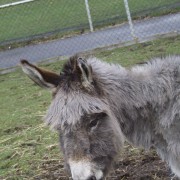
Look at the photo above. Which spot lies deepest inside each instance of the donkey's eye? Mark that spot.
(93, 123)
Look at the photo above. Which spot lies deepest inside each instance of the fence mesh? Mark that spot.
(43, 29)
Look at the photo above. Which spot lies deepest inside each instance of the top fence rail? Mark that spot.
(15, 3)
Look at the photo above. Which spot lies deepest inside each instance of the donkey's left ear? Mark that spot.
(86, 72)
(41, 77)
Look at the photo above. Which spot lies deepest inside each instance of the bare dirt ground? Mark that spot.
(132, 164)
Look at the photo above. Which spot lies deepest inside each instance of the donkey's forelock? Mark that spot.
(77, 94)
(67, 109)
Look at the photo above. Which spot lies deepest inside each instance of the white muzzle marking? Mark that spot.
(82, 170)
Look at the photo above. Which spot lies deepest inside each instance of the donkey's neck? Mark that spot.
(134, 97)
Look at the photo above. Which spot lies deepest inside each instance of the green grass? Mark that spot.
(62, 17)
(25, 143)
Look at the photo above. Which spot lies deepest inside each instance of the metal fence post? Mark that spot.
(89, 16)
(130, 20)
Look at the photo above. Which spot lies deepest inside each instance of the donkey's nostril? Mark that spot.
(92, 178)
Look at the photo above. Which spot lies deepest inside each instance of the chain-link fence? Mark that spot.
(43, 29)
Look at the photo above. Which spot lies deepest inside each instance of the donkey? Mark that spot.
(96, 106)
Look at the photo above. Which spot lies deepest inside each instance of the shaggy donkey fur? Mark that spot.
(97, 104)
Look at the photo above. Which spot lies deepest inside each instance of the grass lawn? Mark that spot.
(26, 145)
(62, 17)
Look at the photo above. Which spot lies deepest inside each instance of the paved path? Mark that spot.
(106, 37)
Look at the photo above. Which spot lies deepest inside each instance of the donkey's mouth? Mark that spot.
(94, 178)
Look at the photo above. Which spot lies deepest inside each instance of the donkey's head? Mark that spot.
(90, 136)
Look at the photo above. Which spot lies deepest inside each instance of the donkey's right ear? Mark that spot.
(41, 77)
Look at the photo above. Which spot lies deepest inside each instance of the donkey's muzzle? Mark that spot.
(92, 178)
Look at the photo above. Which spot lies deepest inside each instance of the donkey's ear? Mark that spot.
(85, 71)
(41, 77)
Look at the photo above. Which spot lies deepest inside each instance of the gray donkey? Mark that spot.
(96, 106)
